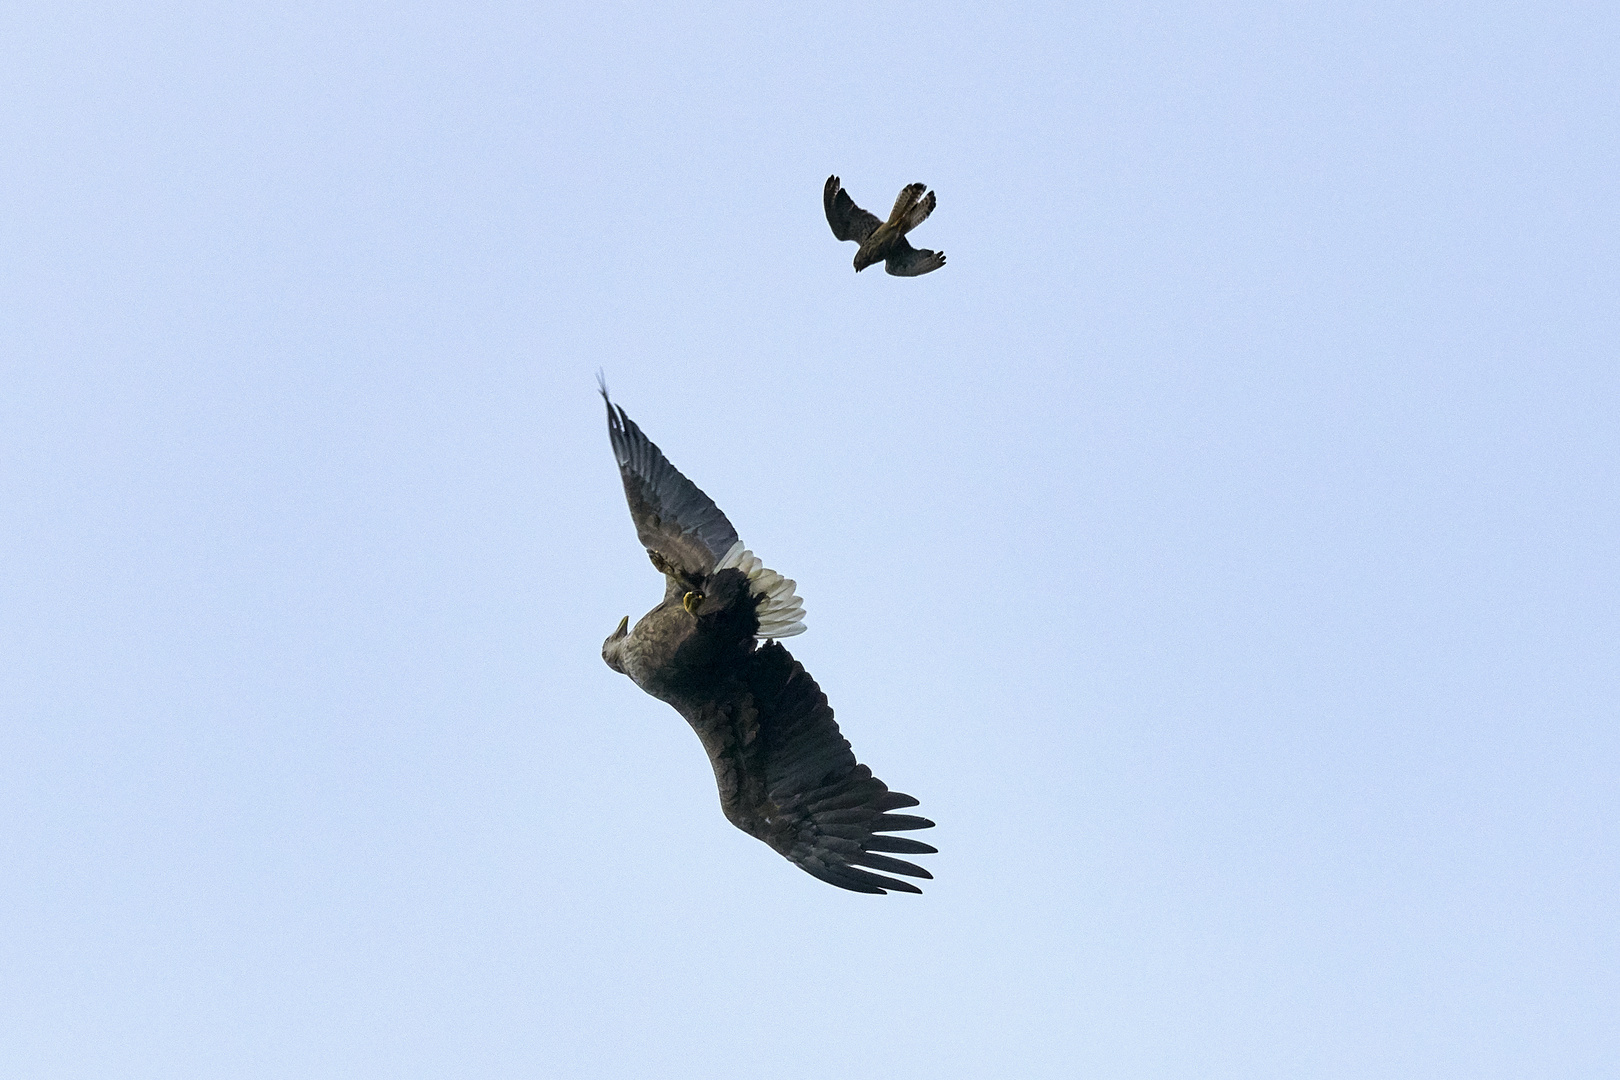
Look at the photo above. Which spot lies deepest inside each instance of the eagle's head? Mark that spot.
(865, 258)
(615, 644)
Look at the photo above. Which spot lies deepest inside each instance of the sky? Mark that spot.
(1222, 546)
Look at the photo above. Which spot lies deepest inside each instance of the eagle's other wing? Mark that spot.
(848, 221)
(825, 811)
(675, 521)
(907, 261)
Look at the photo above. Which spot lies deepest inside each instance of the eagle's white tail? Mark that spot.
(780, 611)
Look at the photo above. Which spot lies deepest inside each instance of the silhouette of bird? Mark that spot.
(883, 241)
(785, 774)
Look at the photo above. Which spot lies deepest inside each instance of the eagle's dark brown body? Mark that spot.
(785, 773)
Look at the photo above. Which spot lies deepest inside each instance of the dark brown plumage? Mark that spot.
(785, 773)
(883, 241)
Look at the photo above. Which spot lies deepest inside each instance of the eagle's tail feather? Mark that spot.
(780, 611)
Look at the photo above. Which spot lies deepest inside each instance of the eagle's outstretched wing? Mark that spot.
(675, 521)
(848, 221)
(824, 811)
(907, 261)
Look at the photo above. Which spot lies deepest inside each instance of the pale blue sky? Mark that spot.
(1223, 546)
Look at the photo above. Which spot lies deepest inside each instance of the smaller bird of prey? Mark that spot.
(883, 241)
(786, 775)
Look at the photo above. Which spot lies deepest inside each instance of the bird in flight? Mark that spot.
(883, 241)
(786, 775)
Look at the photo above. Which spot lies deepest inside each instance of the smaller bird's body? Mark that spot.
(883, 241)
(785, 773)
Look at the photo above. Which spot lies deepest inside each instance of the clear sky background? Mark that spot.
(1223, 546)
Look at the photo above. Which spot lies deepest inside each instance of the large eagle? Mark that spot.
(785, 774)
(883, 241)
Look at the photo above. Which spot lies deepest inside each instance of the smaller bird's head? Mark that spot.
(614, 645)
(864, 258)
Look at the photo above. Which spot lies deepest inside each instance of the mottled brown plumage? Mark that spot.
(785, 773)
(883, 241)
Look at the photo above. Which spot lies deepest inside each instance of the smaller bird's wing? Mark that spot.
(829, 815)
(848, 221)
(675, 521)
(907, 261)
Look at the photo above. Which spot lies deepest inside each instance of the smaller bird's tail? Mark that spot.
(917, 212)
(904, 202)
